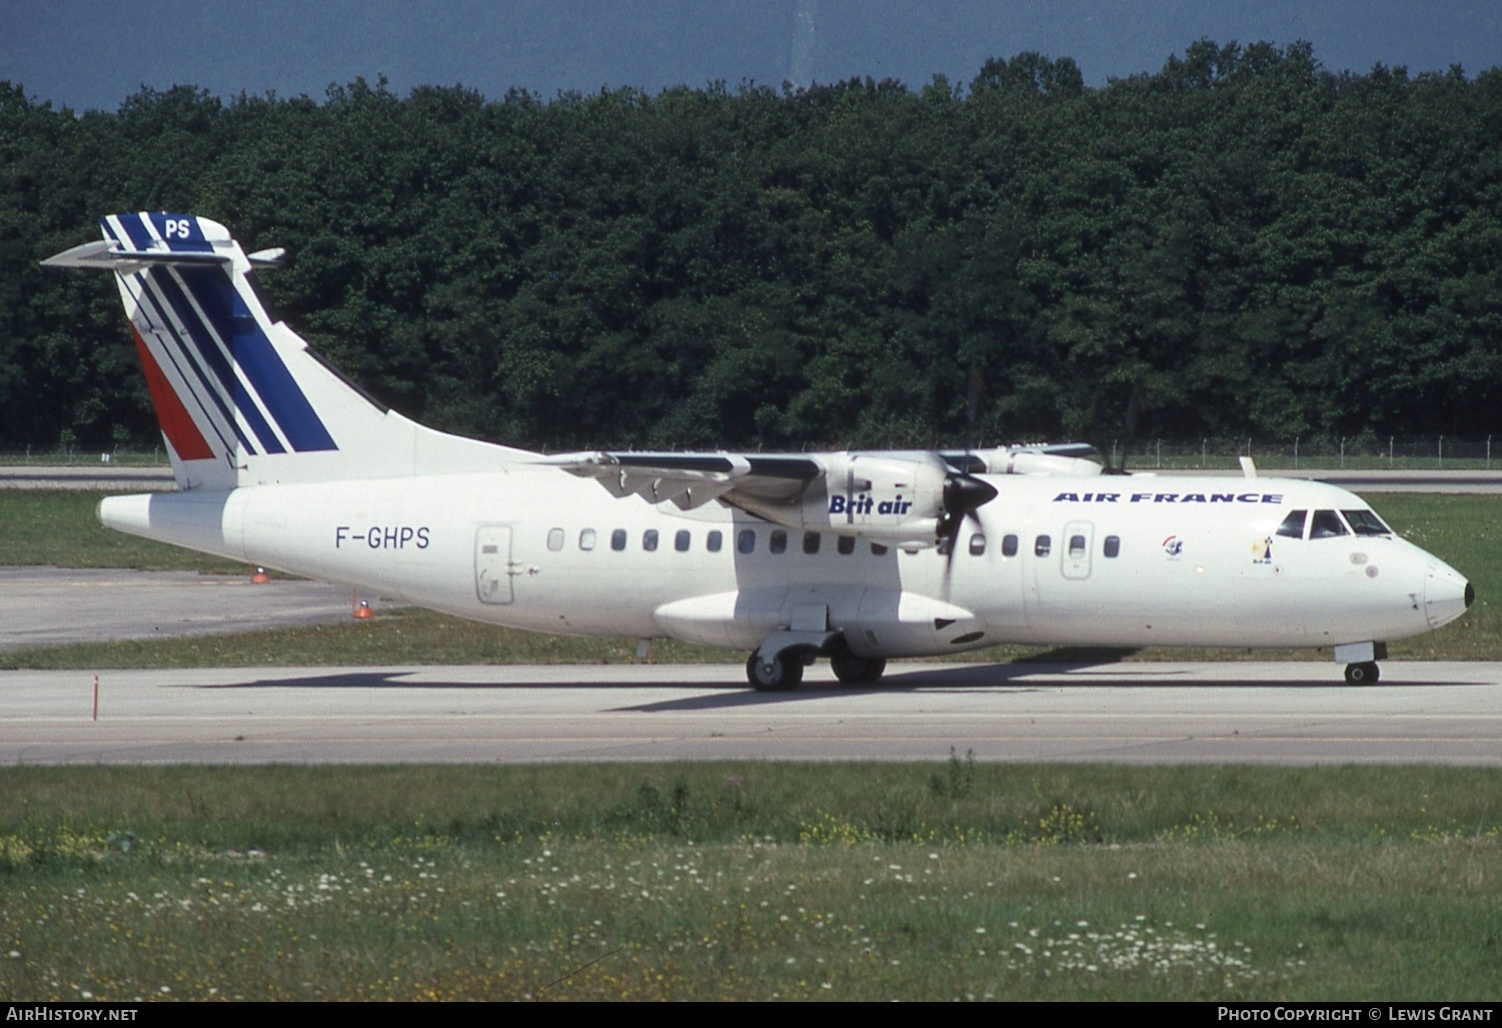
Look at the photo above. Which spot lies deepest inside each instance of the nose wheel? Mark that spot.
(1364, 673)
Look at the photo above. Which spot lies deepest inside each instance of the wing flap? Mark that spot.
(690, 480)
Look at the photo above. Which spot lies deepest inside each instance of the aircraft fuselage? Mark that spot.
(1092, 561)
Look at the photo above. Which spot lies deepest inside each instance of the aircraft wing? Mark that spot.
(691, 480)
(907, 497)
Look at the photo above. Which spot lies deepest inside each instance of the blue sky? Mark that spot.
(93, 53)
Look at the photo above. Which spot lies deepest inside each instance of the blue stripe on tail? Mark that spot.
(268, 376)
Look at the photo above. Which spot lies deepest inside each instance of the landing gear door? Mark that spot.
(494, 568)
(1074, 549)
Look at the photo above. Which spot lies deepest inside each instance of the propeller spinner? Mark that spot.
(963, 496)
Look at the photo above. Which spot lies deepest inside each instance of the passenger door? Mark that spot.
(494, 567)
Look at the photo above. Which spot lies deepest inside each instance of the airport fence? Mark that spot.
(1432, 452)
(72, 456)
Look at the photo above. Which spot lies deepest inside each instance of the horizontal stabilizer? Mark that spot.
(105, 256)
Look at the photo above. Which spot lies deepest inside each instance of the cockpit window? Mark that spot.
(1293, 525)
(1364, 522)
(1326, 525)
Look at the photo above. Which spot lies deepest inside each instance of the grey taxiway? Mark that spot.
(1138, 713)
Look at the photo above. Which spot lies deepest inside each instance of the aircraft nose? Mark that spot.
(1446, 594)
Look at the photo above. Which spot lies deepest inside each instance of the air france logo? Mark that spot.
(1262, 551)
(1168, 498)
(865, 505)
(1173, 546)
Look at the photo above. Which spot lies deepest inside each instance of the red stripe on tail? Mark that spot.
(176, 423)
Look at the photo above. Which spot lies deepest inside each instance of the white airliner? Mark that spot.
(857, 556)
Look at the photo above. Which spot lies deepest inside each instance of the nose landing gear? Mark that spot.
(1361, 661)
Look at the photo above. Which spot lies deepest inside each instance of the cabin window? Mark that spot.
(845, 545)
(681, 540)
(1113, 545)
(1293, 525)
(779, 543)
(1042, 545)
(977, 544)
(1326, 525)
(587, 539)
(746, 541)
(715, 541)
(555, 538)
(811, 542)
(878, 550)
(1076, 546)
(618, 539)
(1009, 546)
(1364, 522)
(649, 540)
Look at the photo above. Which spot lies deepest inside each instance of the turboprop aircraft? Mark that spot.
(856, 556)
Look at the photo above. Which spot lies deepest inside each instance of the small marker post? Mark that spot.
(96, 697)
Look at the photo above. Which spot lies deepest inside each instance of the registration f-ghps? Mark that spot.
(854, 556)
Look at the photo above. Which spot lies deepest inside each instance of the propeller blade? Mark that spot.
(963, 496)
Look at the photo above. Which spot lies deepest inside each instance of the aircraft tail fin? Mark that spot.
(241, 399)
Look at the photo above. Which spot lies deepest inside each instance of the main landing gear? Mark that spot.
(853, 670)
(1365, 673)
(784, 670)
(778, 673)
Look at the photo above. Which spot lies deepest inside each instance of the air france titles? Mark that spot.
(1168, 498)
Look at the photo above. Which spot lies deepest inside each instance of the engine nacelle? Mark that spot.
(1009, 461)
(874, 496)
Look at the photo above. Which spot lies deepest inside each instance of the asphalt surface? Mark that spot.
(1211, 713)
(50, 606)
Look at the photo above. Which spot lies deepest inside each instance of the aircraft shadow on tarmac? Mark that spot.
(992, 679)
(989, 679)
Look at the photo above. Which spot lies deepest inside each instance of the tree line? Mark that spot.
(1239, 244)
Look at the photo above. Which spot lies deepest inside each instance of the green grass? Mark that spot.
(58, 528)
(750, 881)
(398, 636)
